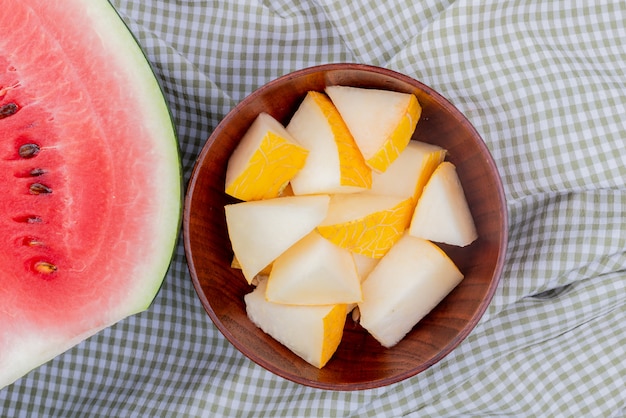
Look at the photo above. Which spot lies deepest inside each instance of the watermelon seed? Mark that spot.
(33, 242)
(7, 110)
(29, 219)
(29, 150)
(45, 267)
(38, 188)
(33, 172)
(36, 172)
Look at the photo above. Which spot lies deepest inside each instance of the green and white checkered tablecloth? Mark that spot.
(544, 82)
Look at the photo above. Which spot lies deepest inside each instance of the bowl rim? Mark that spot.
(502, 233)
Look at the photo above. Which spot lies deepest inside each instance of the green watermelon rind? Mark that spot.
(120, 20)
(108, 18)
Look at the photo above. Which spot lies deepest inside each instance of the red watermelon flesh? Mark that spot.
(90, 192)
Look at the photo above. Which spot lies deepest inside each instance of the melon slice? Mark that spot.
(265, 272)
(314, 272)
(90, 179)
(264, 161)
(406, 284)
(381, 121)
(409, 173)
(366, 224)
(311, 332)
(364, 265)
(442, 213)
(261, 230)
(334, 163)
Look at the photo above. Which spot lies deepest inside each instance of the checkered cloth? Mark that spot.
(543, 81)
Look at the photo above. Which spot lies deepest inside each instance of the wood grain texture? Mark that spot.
(360, 361)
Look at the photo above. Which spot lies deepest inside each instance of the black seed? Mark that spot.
(29, 150)
(38, 188)
(36, 172)
(7, 110)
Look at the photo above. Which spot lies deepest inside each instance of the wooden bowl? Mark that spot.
(360, 361)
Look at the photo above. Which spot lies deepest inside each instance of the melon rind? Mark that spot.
(94, 27)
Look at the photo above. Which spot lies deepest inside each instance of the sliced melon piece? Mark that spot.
(314, 271)
(265, 272)
(334, 164)
(261, 230)
(364, 265)
(265, 159)
(381, 121)
(311, 332)
(90, 179)
(366, 224)
(442, 213)
(410, 172)
(412, 278)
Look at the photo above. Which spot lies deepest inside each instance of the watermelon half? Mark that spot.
(90, 178)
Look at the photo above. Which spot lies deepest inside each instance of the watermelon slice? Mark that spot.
(90, 178)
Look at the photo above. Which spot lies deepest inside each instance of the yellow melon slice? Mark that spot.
(261, 230)
(334, 163)
(412, 278)
(366, 224)
(311, 332)
(265, 159)
(408, 174)
(381, 121)
(442, 213)
(314, 271)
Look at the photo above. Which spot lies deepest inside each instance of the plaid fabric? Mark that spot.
(544, 81)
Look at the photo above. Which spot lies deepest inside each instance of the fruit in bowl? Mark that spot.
(360, 360)
(312, 270)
